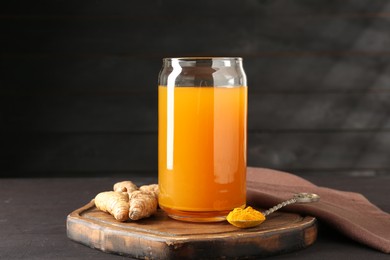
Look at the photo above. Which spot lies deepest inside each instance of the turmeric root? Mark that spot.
(127, 201)
(142, 204)
(115, 203)
(150, 188)
(125, 186)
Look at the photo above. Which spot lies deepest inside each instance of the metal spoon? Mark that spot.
(297, 198)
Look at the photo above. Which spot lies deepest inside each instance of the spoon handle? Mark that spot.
(298, 198)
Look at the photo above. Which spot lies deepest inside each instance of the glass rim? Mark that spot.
(202, 58)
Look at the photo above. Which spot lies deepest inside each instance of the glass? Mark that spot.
(202, 125)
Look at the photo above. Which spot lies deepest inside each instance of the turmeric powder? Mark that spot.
(245, 218)
(115, 203)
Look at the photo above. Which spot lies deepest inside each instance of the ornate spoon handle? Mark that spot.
(298, 198)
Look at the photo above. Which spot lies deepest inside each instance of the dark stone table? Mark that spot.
(33, 217)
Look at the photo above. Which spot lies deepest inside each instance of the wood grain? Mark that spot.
(137, 112)
(95, 154)
(268, 72)
(160, 237)
(78, 83)
(77, 33)
(121, 7)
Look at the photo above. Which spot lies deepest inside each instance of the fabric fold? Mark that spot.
(350, 213)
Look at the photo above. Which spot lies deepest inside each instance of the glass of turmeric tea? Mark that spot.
(202, 135)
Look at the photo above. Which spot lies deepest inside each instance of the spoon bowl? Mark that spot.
(246, 223)
(297, 198)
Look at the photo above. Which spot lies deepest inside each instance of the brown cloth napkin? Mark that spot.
(349, 212)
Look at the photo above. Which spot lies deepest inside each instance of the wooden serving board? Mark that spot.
(160, 237)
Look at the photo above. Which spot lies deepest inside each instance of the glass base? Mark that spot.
(197, 216)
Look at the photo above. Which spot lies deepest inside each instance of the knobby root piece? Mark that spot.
(142, 204)
(115, 203)
(125, 186)
(150, 188)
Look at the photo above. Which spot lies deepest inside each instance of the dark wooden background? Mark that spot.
(78, 83)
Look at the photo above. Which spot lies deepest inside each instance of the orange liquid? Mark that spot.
(202, 150)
